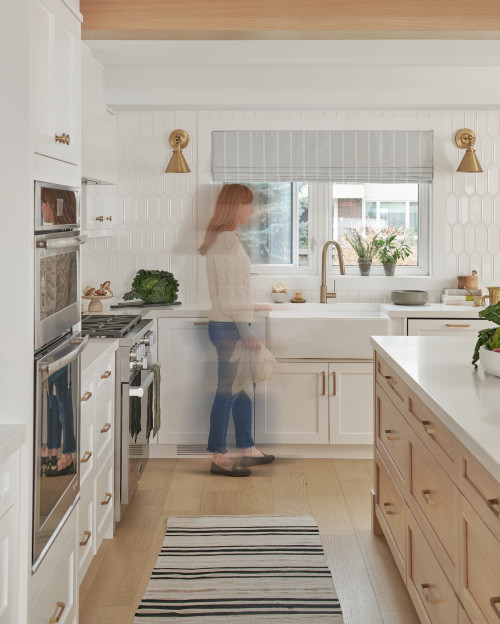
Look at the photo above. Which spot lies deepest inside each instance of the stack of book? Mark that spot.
(459, 296)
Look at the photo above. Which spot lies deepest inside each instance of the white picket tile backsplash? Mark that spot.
(159, 211)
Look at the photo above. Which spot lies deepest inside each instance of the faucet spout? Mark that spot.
(324, 294)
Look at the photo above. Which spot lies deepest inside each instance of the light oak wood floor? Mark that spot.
(335, 492)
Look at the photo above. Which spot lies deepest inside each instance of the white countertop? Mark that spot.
(467, 400)
(95, 348)
(201, 310)
(11, 438)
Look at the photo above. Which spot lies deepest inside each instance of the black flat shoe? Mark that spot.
(236, 471)
(59, 473)
(248, 460)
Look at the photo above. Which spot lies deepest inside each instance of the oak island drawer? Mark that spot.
(392, 384)
(479, 568)
(433, 495)
(391, 437)
(432, 594)
(481, 489)
(436, 436)
(391, 513)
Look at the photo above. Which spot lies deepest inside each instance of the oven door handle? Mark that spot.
(138, 391)
(52, 367)
(62, 243)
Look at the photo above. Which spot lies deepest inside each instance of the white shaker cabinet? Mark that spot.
(446, 327)
(320, 402)
(55, 87)
(188, 380)
(99, 216)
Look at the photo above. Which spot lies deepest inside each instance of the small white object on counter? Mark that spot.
(490, 361)
(439, 370)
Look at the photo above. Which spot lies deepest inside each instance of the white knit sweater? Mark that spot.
(228, 272)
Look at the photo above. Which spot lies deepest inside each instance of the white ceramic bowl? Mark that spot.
(490, 361)
(278, 297)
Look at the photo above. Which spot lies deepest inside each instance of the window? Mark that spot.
(278, 234)
(395, 208)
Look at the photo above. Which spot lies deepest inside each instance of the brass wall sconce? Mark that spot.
(465, 139)
(178, 140)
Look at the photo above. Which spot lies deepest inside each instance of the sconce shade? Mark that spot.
(178, 140)
(465, 139)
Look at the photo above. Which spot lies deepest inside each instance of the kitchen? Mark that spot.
(127, 116)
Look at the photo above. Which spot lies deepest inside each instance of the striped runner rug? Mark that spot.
(241, 569)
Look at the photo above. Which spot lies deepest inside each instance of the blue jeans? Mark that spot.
(224, 336)
(60, 416)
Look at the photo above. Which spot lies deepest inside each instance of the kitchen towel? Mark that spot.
(153, 420)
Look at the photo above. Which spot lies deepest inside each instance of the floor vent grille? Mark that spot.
(192, 449)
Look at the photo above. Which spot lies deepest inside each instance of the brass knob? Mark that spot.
(101, 219)
(86, 396)
(62, 138)
(109, 218)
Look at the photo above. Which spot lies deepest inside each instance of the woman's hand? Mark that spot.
(251, 343)
(262, 307)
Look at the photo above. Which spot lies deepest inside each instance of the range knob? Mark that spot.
(148, 339)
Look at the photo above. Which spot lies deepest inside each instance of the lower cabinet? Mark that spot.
(308, 402)
(53, 587)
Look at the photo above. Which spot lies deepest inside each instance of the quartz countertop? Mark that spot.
(466, 399)
(95, 348)
(430, 310)
(11, 438)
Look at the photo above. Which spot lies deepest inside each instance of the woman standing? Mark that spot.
(228, 272)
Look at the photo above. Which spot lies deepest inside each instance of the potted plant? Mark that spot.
(366, 245)
(390, 251)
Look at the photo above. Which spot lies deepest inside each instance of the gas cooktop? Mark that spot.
(108, 325)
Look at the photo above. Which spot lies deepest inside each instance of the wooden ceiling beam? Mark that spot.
(265, 19)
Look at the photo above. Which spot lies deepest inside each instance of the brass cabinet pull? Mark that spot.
(108, 497)
(427, 497)
(106, 428)
(493, 602)
(86, 456)
(60, 606)
(200, 323)
(390, 380)
(101, 219)
(387, 510)
(334, 384)
(428, 428)
(324, 383)
(388, 434)
(424, 587)
(492, 505)
(86, 537)
(106, 375)
(86, 396)
(109, 218)
(457, 325)
(62, 138)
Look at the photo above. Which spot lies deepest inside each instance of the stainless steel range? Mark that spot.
(133, 361)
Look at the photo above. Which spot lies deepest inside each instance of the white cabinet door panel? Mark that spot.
(447, 327)
(351, 403)
(293, 406)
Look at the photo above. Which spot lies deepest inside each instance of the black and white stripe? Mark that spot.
(241, 570)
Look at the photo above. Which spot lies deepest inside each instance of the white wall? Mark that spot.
(161, 213)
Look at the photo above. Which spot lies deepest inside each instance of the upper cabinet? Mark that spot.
(55, 80)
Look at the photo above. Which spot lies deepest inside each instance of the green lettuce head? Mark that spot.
(153, 287)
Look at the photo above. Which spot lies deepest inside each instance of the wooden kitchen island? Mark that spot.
(437, 475)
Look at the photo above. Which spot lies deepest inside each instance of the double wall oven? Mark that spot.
(57, 350)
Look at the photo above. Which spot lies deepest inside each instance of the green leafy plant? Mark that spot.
(365, 244)
(392, 249)
(153, 287)
(488, 338)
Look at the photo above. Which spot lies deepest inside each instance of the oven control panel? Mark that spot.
(139, 356)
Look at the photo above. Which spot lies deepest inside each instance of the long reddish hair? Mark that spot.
(225, 214)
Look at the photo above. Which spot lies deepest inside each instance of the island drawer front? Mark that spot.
(481, 489)
(436, 436)
(393, 385)
(391, 437)
(434, 496)
(479, 568)
(432, 594)
(104, 370)
(391, 508)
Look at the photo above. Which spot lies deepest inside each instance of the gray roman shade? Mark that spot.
(343, 156)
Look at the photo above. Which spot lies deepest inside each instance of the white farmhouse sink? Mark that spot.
(321, 330)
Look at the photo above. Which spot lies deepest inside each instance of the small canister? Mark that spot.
(468, 281)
